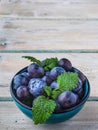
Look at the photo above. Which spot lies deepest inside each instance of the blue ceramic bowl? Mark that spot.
(55, 117)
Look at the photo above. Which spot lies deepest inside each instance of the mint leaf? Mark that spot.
(47, 64)
(55, 93)
(50, 63)
(48, 90)
(42, 109)
(32, 59)
(67, 81)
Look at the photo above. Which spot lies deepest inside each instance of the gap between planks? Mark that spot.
(47, 18)
(51, 51)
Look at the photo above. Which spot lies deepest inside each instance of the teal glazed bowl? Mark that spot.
(55, 117)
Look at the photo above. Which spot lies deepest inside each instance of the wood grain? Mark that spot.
(12, 118)
(49, 8)
(48, 25)
(10, 64)
(48, 34)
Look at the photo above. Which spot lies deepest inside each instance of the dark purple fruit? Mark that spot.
(26, 75)
(54, 85)
(22, 92)
(67, 99)
(35, 71)
(36, 86)
(19, 80)
(47, 78)
(65, 63)
(81, 76)
(79, 88)
(58, 107)
(55, 72)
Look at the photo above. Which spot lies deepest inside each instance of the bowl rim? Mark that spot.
(29, 108)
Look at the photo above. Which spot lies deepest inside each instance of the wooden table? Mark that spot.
(48, 28)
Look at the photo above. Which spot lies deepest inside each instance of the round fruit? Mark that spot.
(47, 78)
(54, 85)
(65, 63)
(81, 76)
(22, 92)
(36, 86)
(35, 71)
(56, 71)
(79, 88)
(58, 107)
(26, 75)
(19, 80)
(67, 99)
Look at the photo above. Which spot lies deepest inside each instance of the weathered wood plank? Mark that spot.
(12, 118)
(48, 34)
(51, 8)
(12, 63)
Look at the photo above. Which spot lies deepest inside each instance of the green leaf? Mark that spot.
(48, 90)
(42, 109)
(50, 63)
(32, 59)
(55, 93)
(67, 81)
